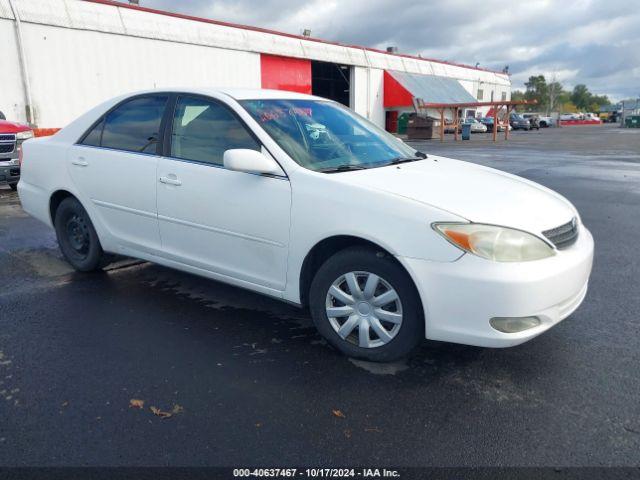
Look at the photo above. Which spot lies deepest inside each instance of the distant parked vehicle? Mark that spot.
(569, 116)
(518, 122)
(534, 120)
(613, 117)
(581, 118)
(545, 121)
(476, 125)
(488, 122)
(11, 137)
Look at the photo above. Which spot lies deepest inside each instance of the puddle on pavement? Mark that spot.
(45, 263)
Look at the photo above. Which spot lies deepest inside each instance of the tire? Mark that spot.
(77, 237)
(402, 335)
(13, 186)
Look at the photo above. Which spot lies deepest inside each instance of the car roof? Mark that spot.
(235, 93)
(76, 128)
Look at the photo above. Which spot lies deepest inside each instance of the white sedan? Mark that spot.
(298, 198)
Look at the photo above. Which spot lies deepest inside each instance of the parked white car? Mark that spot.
(476, 125)
(297, 197)
(570, 116)
(546, 121)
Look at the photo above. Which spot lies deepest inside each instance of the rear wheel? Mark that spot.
(77, 238)
(366, 305)
(13, 186)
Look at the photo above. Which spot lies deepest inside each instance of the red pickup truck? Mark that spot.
(11, 137)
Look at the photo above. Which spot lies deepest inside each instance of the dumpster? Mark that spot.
(632, 121)
(403, 121)
(466, 131)
(420, 128)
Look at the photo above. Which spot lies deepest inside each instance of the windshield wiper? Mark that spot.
(399, 160)
(342, 168)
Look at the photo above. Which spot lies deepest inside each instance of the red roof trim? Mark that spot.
(283, 34)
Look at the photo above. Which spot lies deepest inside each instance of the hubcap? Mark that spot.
(364, 309)
(78, 234)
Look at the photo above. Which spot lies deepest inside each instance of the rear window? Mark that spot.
(134, 126)
(94, 137)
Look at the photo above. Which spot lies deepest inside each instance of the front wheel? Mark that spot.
(366, 305)
(77, 238)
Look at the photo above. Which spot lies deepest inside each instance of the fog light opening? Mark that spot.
(514, 324)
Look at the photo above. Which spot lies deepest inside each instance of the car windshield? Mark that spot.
(324, 136)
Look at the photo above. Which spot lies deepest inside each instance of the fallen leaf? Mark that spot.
(159, 413)
(64, 404)
(338, 413)
(135, 403)
(374, 429)
(177, 409)
(347, 433)
(258, 425)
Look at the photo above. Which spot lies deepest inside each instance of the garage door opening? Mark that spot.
(331, 80)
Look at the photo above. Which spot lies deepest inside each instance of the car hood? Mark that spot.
(476, 193)
(12, 127)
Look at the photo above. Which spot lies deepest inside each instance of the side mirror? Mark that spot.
(250, 161)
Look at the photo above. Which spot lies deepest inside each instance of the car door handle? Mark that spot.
(170, 180)
(80, 162)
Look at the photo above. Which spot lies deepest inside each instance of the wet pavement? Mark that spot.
(250, 382)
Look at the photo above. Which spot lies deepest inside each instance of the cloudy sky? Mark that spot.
(596, 42)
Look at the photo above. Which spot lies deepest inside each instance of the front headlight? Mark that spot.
(24, 135)
(500, 244)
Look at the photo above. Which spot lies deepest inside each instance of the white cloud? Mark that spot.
(584, 41)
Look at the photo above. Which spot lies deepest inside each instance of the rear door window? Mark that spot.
(135, 125)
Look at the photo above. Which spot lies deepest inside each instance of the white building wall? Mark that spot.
(64, 87)
(80, 53)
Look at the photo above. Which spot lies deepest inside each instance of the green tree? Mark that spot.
(581, 97)
(598, 101)
(517, 96)
(538, 90)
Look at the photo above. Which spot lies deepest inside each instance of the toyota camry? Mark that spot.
(301, 199)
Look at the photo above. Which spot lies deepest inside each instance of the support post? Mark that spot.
(506, 128)
(442, 124)
(455, 123)
(24, 69)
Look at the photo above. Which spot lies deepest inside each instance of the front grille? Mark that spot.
(7, 147)
(563, 236)
(7, 143)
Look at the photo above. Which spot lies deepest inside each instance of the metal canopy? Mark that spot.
(432, 88)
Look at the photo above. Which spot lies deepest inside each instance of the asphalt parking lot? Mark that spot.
(249, 382)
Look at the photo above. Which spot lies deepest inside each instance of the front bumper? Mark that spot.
(460, 297)
(9, 171)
